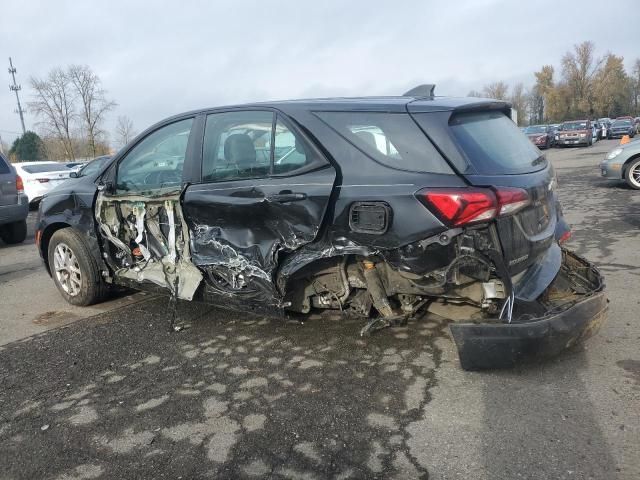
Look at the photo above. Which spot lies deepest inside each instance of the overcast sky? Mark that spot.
(158, 58)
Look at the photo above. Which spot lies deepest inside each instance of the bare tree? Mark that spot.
(94, 104)
(53, 105)
(579, 69)
(612, 88)
(497, 90)
(635, 86)
(519, 100)
(124, 130)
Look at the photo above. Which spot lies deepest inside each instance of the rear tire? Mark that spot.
(74, 270)
(13, 233)
(632, 174)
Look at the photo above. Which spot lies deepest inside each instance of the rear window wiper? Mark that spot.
(538, 161)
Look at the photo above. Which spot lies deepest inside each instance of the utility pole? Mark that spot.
(15, 88)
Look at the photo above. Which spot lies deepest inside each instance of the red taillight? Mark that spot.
(564, 237)
(42, 180)
(460, 206)
(19, 184)
(463, 206)
(511, 199)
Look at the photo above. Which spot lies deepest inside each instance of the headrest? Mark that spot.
(238, 148)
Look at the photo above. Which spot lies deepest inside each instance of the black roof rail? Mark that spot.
(424, 90)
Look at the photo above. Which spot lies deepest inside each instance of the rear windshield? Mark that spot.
(535, 129)
(494, 145)
(46, 167)
(392, 139)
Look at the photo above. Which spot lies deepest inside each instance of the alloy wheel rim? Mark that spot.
(635, 175)
(67, 269)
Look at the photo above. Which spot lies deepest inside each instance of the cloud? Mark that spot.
(163, 57)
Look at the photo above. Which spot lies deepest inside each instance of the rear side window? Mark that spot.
(494, 145)
(253, 144)
(4, 168)
(392, 139)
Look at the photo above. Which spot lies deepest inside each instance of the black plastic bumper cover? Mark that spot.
(501, 345)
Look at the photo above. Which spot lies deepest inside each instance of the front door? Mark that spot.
(139, 215)
(264, 192)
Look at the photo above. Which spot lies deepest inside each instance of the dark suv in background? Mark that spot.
(575, 133)
(376, 207)
(622, 127)
(14, 205)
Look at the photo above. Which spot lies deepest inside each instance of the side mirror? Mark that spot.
(106, 187)
(73, 175)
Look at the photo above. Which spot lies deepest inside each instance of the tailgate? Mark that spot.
(489, 150)
(526, 235)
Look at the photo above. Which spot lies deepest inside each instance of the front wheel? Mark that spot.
(14, 232)
(632, 174)
(74, 270)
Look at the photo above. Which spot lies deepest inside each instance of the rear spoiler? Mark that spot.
(424, 90)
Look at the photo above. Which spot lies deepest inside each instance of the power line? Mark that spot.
(15, 87)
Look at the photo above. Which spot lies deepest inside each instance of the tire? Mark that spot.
(76, 274)
(632, 174)
(13, 233)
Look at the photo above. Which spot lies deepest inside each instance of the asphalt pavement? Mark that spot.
(107, 392)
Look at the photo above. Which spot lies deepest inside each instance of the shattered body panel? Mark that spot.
(576, 307)
(148, 241)
(241, 230)
(70, 205)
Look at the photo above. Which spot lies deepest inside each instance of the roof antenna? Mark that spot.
(424, 90)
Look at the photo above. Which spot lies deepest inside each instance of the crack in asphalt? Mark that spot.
(225, 396)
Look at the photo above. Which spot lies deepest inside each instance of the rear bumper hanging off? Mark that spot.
(500, 345)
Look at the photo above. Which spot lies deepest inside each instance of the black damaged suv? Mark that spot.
(378, 207)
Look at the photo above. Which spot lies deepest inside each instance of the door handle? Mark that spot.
(285, 197)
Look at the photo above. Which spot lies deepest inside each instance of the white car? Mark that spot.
(41, 177)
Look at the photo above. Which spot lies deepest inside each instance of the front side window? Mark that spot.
(392, 139)
(157, 161)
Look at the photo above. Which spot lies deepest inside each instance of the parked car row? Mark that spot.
(24, 184)
(581, 132)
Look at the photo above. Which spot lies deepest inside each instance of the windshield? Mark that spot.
(45, 167)
(93, 166)
(574, 126)
(494, 145)
(622, 123)
(535, 129)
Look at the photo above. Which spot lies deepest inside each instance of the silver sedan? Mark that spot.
(623, 163)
